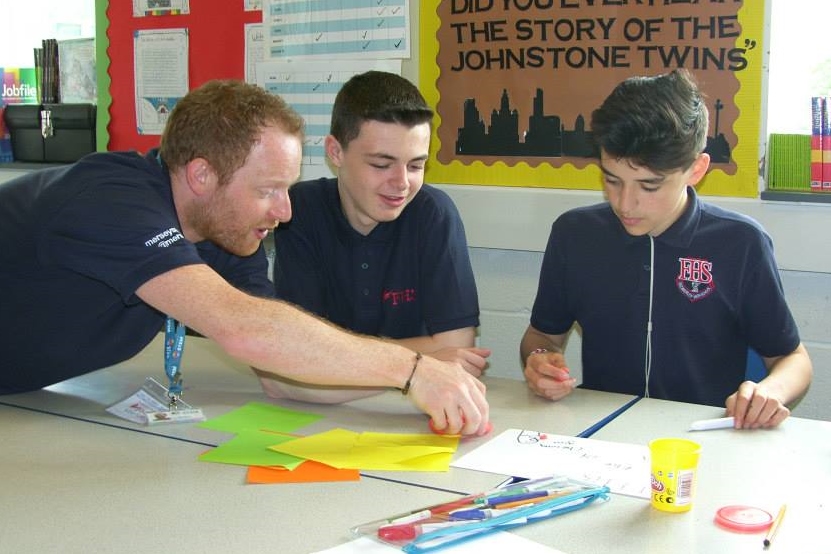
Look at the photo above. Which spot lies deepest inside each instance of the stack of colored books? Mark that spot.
(46, 68)
(789, 162)
(820, 144)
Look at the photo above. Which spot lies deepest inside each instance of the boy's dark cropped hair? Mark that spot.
(659, 122)
(377, 96)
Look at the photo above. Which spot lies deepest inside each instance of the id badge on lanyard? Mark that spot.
(154, 403)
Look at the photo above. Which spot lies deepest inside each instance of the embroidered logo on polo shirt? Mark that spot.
(396, 297)
(165, 238)
(695, 278)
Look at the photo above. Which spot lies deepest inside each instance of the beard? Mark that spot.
(218, 221)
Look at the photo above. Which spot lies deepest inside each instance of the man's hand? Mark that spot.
(452, 397)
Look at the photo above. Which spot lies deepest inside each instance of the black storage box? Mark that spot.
(51, 132)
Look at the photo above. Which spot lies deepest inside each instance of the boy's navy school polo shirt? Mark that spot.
(716, 292)
(409, 277)
(76, 242)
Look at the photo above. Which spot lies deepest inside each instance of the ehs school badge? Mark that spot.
(695, 278)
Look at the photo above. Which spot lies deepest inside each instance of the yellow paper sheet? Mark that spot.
(379, 451)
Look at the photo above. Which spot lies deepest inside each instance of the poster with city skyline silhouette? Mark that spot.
(514, 83)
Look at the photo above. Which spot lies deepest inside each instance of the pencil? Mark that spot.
(774, 527)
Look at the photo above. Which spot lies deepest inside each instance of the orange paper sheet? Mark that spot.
(307, 472)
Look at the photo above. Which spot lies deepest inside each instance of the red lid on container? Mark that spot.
(746, 519)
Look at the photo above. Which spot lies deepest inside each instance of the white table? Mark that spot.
(76, 479)
(69, 486)
(764, 468)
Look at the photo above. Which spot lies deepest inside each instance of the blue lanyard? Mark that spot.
(174, 344)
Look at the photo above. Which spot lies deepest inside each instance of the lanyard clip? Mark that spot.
(46, 129)
(174, 391)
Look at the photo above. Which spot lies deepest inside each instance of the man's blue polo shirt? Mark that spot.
(409, 277)
(716, 291)
(76, 242)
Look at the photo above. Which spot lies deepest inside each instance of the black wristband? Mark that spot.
(409, 382)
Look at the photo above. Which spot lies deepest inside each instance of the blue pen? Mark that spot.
(479, 513)
(491, 501)
(531, 497)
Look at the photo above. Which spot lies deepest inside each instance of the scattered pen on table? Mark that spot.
(711, 424)
(774, 527)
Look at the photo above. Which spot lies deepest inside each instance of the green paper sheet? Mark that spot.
(259, 415)
(251, 447)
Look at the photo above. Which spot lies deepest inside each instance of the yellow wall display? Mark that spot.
(514, 83)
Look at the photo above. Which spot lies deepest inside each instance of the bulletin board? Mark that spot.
(514, 84)
(217, 51)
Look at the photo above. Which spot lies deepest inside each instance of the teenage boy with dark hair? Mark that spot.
(669, 291)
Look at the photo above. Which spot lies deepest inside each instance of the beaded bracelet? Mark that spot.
(409, 382)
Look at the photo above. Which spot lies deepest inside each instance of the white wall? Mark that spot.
(29, 22)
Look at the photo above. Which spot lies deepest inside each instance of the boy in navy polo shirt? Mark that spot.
(669, 291)
(375, 250)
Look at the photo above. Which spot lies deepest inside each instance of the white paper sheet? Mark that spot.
(161, 74)
(313, 28)
(624, 468)
(254, 50)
